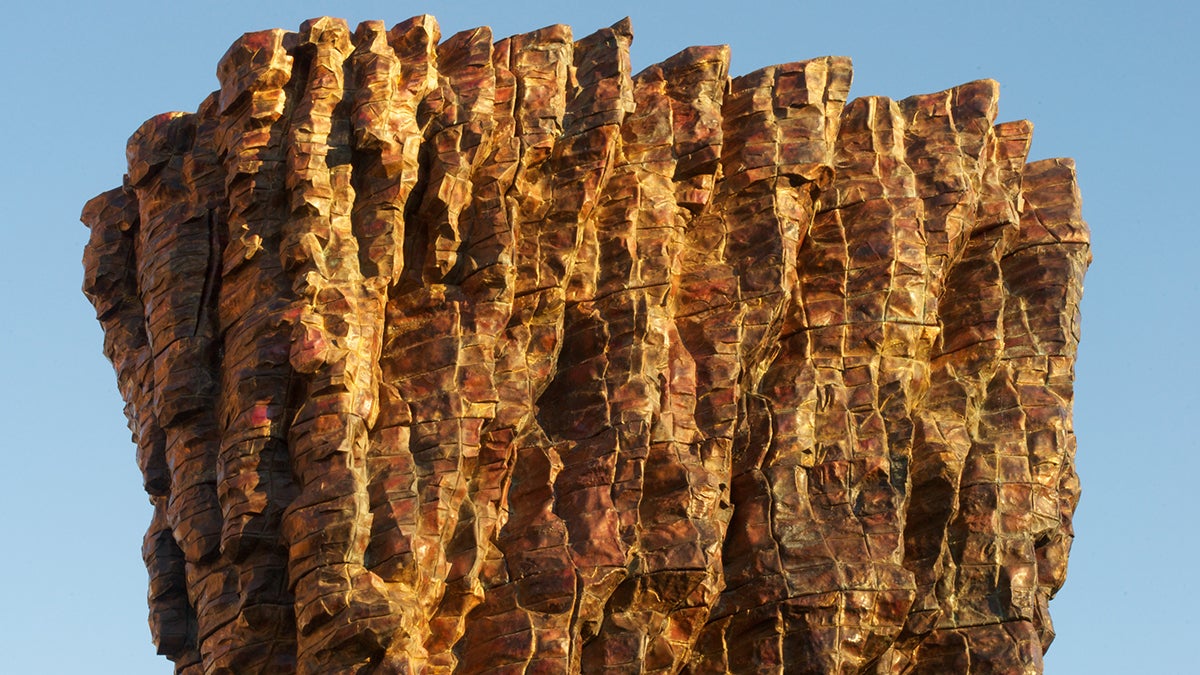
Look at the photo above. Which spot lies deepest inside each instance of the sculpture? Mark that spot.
(472, 356)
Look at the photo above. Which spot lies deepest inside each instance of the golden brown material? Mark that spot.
(471, 356)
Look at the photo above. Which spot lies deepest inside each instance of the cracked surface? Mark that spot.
(461, 355)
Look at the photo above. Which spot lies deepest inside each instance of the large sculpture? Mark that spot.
(472, 356)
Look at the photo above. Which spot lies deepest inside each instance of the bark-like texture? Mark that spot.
(472, 356)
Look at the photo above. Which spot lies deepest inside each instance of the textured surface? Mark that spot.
(461, 356)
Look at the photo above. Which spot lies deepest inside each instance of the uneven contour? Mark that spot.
(462, 356)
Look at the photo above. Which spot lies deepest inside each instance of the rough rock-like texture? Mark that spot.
(471, 356)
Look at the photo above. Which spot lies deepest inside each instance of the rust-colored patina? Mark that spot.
(471, 356)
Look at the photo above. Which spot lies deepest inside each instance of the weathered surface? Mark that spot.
(471, 356)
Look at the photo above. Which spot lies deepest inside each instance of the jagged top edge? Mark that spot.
(623, 26)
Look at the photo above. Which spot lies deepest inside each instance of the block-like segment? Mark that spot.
(964, 359)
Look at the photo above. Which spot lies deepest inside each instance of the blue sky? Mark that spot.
(1113, 85)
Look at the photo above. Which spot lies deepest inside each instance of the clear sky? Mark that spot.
(1113, 85)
